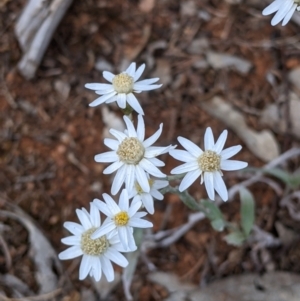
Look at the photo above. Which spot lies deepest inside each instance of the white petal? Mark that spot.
(123, 236)
(141, 178)
(119, 135)
(70, 253)
(220, 142)
(148, 81)
(209, 184)
(111, 143)
(158, 184)
(139, 72)
(84, 219)
(107, 157)
(74, 228)
(95, 215)
(186, 167)
(130, 127)
(289, 15)
(124, 201)
(208, 139)
(131, 69)
(121, 100)
(118, 179)
(116, 257)
(102, 99)
(113, 167)
(220, 187)
(130, 176)
(85, 266)
(152, 139)
(156, 194)
(134, 207)
(104, 229)
(134, 103)
(139, 223)
(98, 86)
(230, 152)
(191, 147)
(156, 161)
(272, 8)
(151, 169)
(181, 155)
(107, 268)
(110, 90)
(282, 12)
(140, 87)
(108, 76)
(189, 179)
(111, 204)
(96, 269)
(72, 240)
(233, 165)
(103, 207)
(140, 128)
(154, 151)
(148, 202)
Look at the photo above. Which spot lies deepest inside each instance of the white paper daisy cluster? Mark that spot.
(133, 159)
(283, 9)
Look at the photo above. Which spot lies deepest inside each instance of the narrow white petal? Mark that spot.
(209, 184)
(140, 214)
(134, 103)
(103, 207)
(124, 201)
(139, 72)
(230, 152)
(95, 215)
(140, 128)
(108, 76)
(123, 236)
(84, 220)
(220, 142)
(140, 87)
(151, 169)
(272, 8)
(141, 178)
(156, 162)
(113, 167)
(282, 12)
(152, 139)
(116, 257)
(233, 165)
(111, 204)
(107, 268)
(134, 207)
(130, 127)
(191, 147)
(181, 155)
(148, 81)
(186, 167)
(154, 151)
(139, 223)
(107, 157)
(158, 184)
(104, 229)
(130, 176)
(119, 179)
(121, 100)
(189, 179)
(131, 69)
(208, 139)
(111, 143)
(85, 266)
(74, 228)
(107, 91)
(156, 194)
(70, 253)
(289, 15)
(119, 135)
(96, 269)
(102, 99)
(148, 202)
(98, 86)
(220, 187)
(71, 240)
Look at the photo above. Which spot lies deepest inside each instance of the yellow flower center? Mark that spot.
(131, 151)
(209, 161)
(139, 188)
(94, 247)
(121, 219)
(123, 83)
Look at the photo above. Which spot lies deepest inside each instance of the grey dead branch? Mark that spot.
(275, 286)
(34, 31)
(41, 252)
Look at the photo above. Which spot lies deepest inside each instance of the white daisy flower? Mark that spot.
(121, 218)
(206, 163)
(147, 198)
(96, 254)
(284, 10)
(133, 156)
(122, 88)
